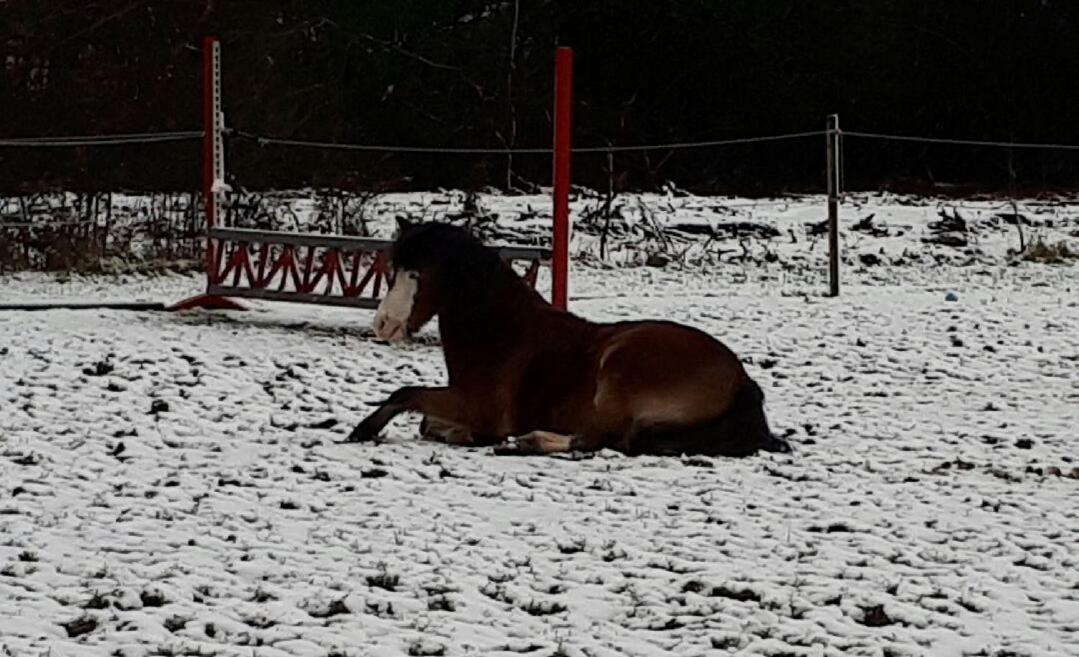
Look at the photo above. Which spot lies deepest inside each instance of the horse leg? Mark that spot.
(536, 442)
(445, 404)
(436, 430)
(547, 442)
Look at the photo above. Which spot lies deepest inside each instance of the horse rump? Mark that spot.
(741, 431)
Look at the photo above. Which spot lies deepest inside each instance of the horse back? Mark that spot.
(658, 373)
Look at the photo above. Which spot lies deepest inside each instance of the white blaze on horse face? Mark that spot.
(391, 320)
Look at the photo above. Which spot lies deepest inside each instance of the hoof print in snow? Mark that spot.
(441, 603)
(740, 595)
(80, 626)
(832, 528)
(152, 598)
(657, 260)
(100, 368)
(572, 547)
(869, 259)
(426, 649)
(176, 623)
(543, 608)
(1024, 443)
(694, 586)
(726, 642)
(159, 406)
(373, 473)
(260, 622)
(27, 459)
(328, 423)
(875, 617)
(335, 608)
(698, 462)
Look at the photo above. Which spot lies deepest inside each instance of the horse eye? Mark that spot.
(414, 275)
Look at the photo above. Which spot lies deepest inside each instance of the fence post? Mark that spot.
(834, 154)
(563, 143)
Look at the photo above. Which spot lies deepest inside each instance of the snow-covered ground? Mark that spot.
(172, 484)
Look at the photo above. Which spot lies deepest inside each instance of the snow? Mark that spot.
(177, 479)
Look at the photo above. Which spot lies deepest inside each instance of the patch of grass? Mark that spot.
(383, 580)
(1042, 252)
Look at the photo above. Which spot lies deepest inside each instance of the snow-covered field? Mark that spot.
(173, 485)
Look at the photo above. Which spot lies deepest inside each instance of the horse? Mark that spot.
(529, 378)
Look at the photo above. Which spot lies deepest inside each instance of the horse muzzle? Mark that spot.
(390, 330)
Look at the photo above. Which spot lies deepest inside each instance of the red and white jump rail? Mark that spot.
(312, 268)
(334, 269)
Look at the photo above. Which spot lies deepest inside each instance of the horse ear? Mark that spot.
(403, 224)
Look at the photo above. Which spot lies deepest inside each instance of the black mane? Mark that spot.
(448, 249)
(467, 273)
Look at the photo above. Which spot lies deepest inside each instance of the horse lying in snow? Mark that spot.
(518, 367)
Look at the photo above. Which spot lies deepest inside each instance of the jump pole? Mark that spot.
(213, 170)
(563, 144)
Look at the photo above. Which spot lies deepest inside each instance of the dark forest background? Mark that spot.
(479, 74)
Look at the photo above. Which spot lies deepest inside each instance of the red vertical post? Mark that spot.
(563, 143)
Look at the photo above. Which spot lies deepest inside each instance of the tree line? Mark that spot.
(465, 73)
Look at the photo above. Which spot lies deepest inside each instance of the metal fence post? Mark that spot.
(833, 204)
(563, 144)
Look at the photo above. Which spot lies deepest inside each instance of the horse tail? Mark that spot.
(745, 421)
(741, 431)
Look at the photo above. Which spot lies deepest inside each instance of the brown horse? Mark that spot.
(518, 367)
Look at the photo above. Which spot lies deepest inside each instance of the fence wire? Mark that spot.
(380, 148)
(183, 135)
(101, 140)
(959, 142)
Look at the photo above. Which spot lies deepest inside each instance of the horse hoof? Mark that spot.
(523, 446)
(362, 434)
(507, 449)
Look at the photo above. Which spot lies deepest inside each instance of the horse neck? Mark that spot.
(489, 311)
